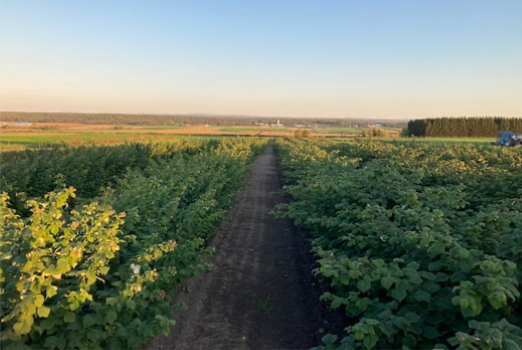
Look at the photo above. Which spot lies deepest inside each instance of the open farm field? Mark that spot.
(261, 175)
(338, 130)
(377, 245)
(482, 140)
(66, 137)
(14, 137)
(240, 129)
(74, 134)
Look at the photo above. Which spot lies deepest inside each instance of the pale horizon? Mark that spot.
(380, 60)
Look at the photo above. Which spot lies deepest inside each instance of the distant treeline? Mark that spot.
(180, 120)
(463, 126)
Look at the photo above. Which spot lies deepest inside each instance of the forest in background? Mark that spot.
(463, 126)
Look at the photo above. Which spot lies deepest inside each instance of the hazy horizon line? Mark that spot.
(207, 114)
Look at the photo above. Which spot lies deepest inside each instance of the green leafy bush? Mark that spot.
(98, 274)
(420, 243)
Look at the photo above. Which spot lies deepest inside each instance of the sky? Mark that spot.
(360, 59)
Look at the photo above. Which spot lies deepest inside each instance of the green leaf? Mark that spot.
(497, 299)
(130, 304)
(441, 277)
(370, 340)
(62, 266)
(111, 317)
(44, 311)
(409, 341)
(89, 320)
(74, 305)
(345, 280)
(91, 277)
(69, 317)
(94, 334)
(398, 294)
(336, 303)
(48, 323)
(372, 322)
(122, 331)
(51, 291)
(469, 306)
(421, 295)
(51, 342)
(436, 265)
(412, 317)
(387, 282)
(435, 250)
(401, 323)
(329, 339)
(18, 328)
(509, 344)
(431, 287)
(39, 300)
(111, 301)
(364, 285)
(430, 332)
(362, 304)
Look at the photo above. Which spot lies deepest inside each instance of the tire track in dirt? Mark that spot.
(260, 293)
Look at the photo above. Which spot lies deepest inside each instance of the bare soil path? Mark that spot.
(260, 293)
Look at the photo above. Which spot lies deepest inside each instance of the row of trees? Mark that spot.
(181, 120)
(378, 132)
(463, 126)
(126, 119)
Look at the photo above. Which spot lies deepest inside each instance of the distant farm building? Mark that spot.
(277, 125)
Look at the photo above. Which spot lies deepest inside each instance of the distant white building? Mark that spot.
(277, 125)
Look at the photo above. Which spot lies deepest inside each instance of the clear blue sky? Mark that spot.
(288, 58)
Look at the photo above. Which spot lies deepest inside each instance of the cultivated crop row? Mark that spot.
(94, 267)
(421, 245)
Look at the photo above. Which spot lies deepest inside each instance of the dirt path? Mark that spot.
(260, 293)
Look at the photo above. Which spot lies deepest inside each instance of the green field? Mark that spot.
(46, 138)
(277, 130)
(250, 129)
(35, 137)
(338, 130)
(162, 127)
(240, 129)
(455, 139)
